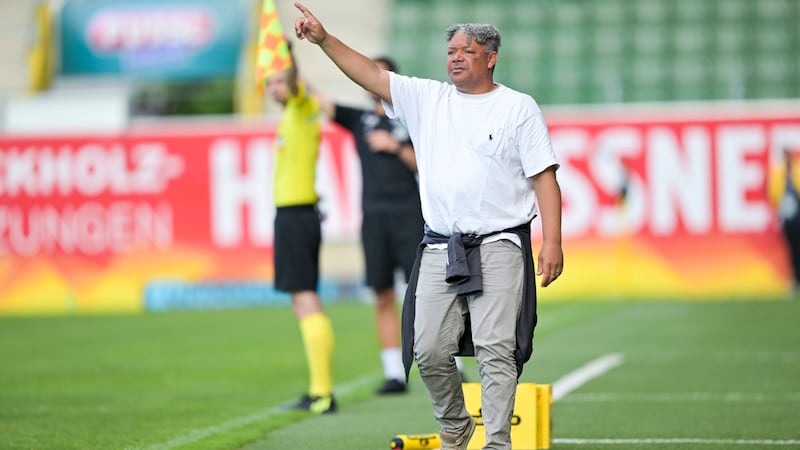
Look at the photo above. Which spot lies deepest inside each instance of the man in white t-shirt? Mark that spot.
(485, 164)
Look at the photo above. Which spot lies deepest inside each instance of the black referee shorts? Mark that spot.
(390, 240)
(298, 234)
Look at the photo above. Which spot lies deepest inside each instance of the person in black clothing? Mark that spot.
(789, 215)
(392, 226)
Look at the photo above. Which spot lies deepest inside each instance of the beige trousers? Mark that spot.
(438, 325)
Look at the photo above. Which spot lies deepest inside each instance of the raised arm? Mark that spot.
(326, 104)
(359, 68)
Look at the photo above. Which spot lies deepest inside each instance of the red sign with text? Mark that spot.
(658, 205)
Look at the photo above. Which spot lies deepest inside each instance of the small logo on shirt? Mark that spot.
(490, 137)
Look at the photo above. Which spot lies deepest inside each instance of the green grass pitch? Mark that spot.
(706, 375)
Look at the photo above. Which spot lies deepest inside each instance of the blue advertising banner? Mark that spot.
(168, 39)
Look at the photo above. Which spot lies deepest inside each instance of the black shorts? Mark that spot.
(298, 235)
(390, 240)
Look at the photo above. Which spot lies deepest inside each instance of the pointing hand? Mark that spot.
(308, 27)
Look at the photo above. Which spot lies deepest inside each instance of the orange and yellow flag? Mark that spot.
(273, 50)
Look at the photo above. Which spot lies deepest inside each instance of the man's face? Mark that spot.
(278, 86)
(468, 64)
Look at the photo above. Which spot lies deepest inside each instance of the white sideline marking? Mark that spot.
(754, 397)
(582, 375)
(677, 441)
(201, 433)
(603, 364)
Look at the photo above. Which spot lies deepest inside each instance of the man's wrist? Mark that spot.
(398, 149)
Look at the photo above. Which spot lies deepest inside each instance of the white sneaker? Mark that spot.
(450, 442)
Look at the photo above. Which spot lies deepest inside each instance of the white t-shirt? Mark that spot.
(474, 153)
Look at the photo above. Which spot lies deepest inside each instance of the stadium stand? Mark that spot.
(574, 51)
(561, 52)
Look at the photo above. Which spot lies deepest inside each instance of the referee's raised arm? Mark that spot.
(359, 68)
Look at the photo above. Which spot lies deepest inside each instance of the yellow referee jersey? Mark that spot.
(296, 151)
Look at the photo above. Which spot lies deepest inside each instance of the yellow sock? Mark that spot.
(318, 341)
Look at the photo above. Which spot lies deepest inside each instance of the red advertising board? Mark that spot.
(672, 202)
(87, 222)
(659, 205)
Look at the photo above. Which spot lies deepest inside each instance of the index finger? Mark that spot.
(303, 9)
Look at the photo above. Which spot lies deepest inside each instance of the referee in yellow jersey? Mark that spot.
(298, 231)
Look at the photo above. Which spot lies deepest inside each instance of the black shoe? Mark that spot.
(316, 405)
(392, 386)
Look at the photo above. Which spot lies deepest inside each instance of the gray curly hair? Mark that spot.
(485, 34)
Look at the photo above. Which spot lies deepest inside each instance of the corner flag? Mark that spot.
(273, 50)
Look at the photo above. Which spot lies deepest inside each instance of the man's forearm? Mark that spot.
(548, 195)
(550, 209)
(362, 70)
